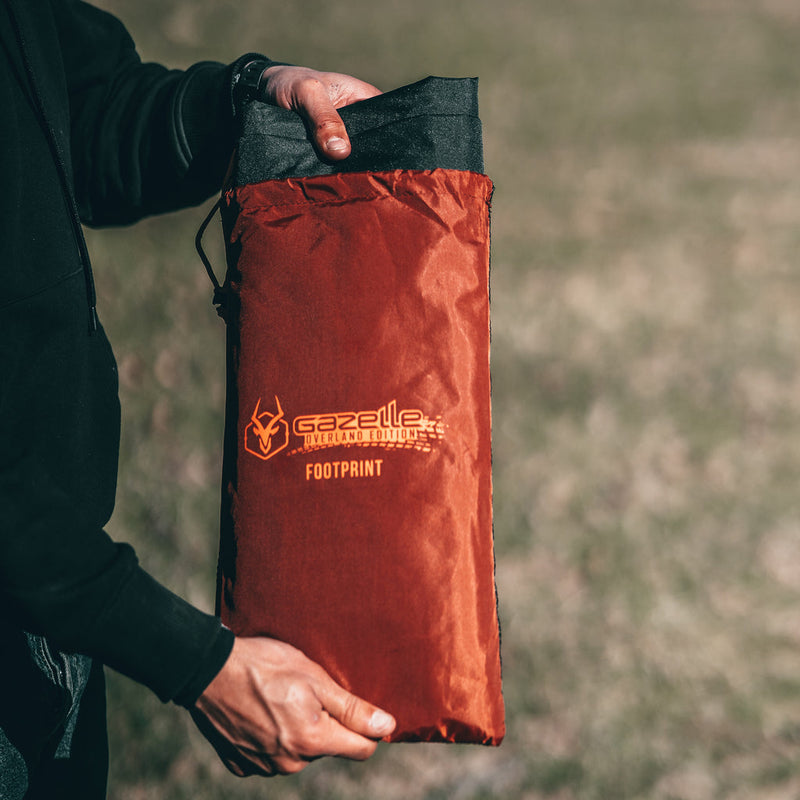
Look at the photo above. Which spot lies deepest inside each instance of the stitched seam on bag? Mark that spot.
(43, 289)
(304, 204)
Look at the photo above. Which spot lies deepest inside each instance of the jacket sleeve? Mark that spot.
(60, 573)
(144, 139)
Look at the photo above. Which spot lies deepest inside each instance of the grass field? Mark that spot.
(646, 361)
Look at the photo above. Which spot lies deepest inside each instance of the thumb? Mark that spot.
(354, 713)
(323, 121)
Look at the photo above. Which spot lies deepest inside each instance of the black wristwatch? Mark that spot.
(248, 86)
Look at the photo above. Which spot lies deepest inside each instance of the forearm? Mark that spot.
(162, 142)
(127, 620)
(144, 139)
(60, 574)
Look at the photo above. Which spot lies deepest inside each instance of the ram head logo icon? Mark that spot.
(266, 434)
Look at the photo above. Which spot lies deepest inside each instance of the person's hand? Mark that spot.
(316, 96)
(271, 710)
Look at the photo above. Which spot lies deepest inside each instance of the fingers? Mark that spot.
(316, 96)
(312, 734)
(233, 760)
(272, 710)
(322, 120)
(355, 714)
(324, 737)
(334, 722)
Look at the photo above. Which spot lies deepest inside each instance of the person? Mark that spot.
(92, 135)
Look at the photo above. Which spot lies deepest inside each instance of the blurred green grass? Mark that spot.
(646, 334)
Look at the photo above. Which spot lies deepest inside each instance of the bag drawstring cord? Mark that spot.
(220, 293)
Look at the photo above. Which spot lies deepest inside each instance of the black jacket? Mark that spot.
(87, 134)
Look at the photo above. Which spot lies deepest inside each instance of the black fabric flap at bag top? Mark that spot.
(430, 124)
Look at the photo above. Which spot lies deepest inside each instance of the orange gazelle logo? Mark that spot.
(266, 434)
(389, 427)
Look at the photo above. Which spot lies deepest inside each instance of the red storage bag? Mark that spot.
(357, 519)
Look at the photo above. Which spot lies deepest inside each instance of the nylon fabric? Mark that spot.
(356, 507)
(366, 540)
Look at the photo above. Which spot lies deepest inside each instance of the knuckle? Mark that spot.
(328, 124)
(366, 751)
(309, 85)
(308, 740)
(290, 765)
(350, 709)
(310, 79)
(300, 697)
(313, 741)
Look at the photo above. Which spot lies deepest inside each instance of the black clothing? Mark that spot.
(53, 740)
(87, 130)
